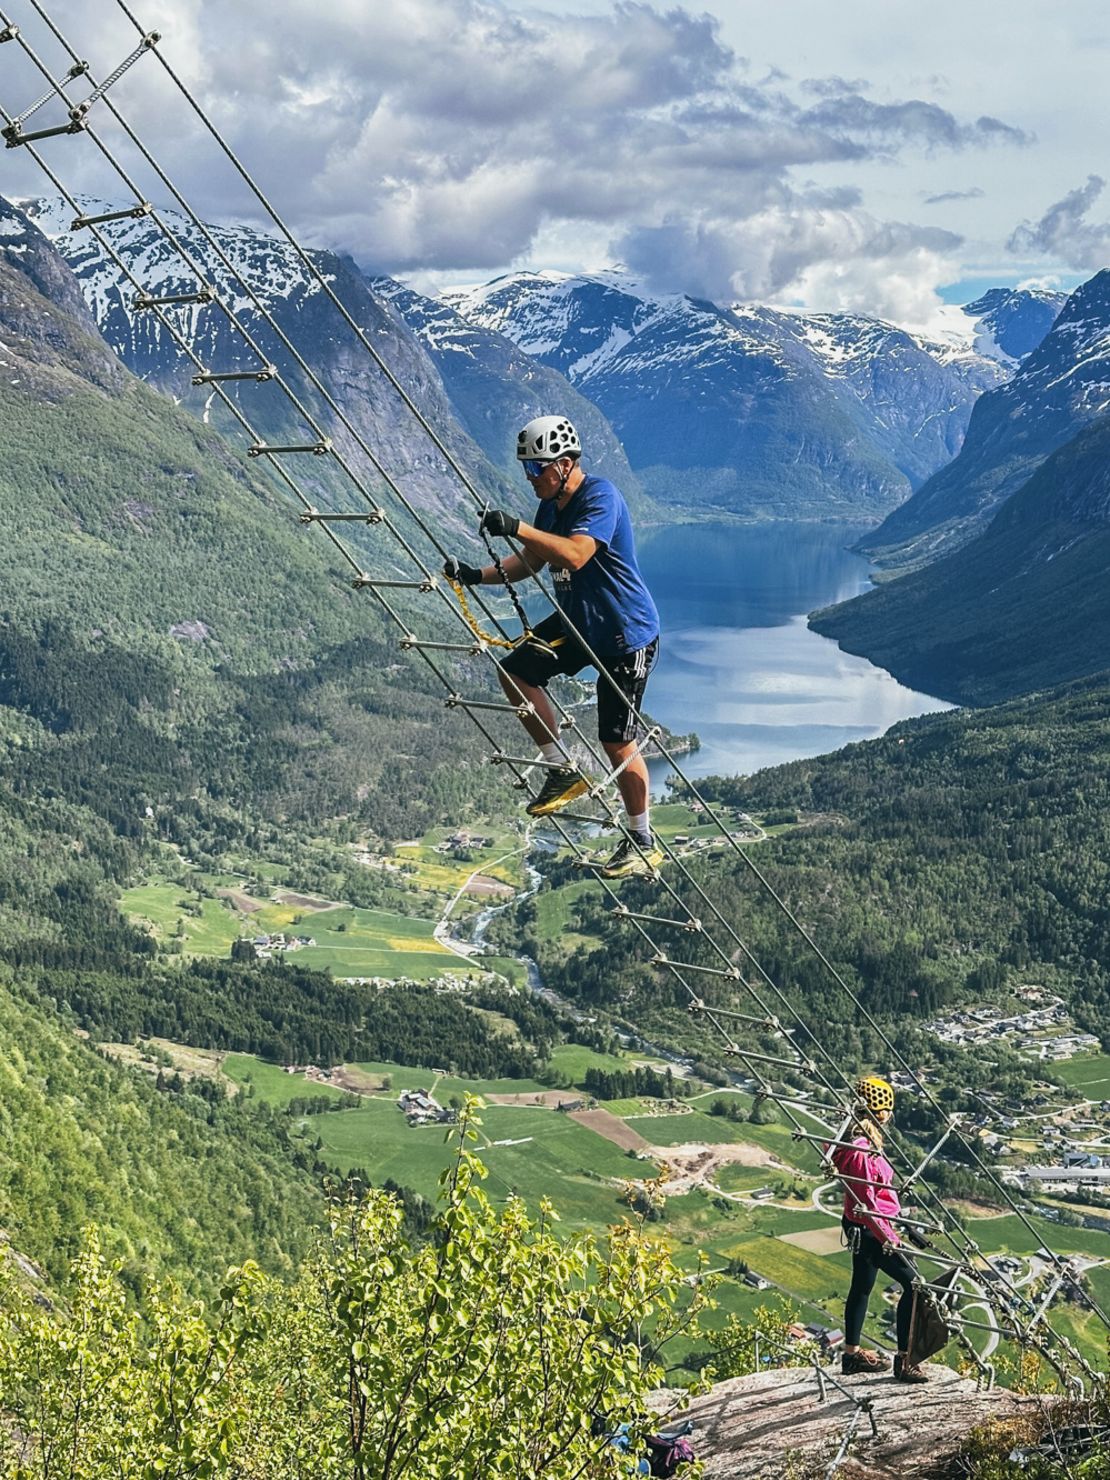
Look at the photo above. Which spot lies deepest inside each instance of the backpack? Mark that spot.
(666, 1452)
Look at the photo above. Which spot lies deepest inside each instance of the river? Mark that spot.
(739, 665)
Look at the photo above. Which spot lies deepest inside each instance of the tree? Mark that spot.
(491, 1348)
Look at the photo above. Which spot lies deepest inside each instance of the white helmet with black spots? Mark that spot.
(546, 438)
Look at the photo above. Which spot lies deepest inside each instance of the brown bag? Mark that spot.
(929, 1328)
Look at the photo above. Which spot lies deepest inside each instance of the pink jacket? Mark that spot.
(861, 1167)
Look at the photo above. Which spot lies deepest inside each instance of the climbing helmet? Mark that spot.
(546, 438)
(875, 1093)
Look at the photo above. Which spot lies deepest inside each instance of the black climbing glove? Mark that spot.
(499, 521)
(466, 575)
(918, 1240)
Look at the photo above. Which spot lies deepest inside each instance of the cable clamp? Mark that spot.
(9, 33)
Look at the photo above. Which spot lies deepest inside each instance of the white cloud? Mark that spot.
(450, 136)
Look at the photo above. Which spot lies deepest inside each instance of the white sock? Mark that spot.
(553, 752)
(640, 824)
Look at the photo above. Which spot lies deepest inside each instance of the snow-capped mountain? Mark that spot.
(280, 282)
(495, 387)
(755, 409)
(1060, 388)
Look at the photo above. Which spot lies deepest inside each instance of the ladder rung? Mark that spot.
(499, 758)
(769, 1024)
(767, 1058)
(577, 816)
(365, 582)
(472, 648)
(313, 516)
(144, 208)
(207, 377)
(456, 701)
(622, 912)
(147, 300)
(13, 137)
(732, 974)
(263, 449)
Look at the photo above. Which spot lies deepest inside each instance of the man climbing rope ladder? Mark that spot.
(584, 532)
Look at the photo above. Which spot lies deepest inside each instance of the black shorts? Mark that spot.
(536, 665)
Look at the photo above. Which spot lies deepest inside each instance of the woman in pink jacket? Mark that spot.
(870, 1203)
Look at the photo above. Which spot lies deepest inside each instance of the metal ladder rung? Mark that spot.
(575, 817)
(768, 1023)
(144, 208)
(622, 912)
(365, 582)
(456, 701)
(733, 974)
(767, 1058)
(313, 516)
(318, 449)
(13, 138)
(148, 300)
(499, 758)
(409, 642)
(209, 377)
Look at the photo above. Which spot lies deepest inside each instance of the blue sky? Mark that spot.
(871, 155)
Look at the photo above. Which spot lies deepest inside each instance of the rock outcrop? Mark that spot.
(776, 1426)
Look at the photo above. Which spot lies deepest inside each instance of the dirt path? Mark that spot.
(242, 902)
(552, 1098)
(612, 1128)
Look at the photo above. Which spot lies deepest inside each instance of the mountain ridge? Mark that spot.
(1062, 386)
(764, 411)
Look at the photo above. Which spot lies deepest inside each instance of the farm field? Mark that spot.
(349, 941)
(538, 1153)
(1088, 1073)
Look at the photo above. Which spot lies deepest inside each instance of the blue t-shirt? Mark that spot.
(607, 599)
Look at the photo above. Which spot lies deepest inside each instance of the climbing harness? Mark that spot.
(721, 955)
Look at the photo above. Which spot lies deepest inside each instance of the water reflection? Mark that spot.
(738, 662)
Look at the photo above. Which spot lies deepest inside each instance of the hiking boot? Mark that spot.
(558, 791)
(632, 859)
(907, 1371)
(862, 1361)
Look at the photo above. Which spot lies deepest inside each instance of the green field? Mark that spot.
(360, 942)
(349, 941)
(548, 1155)
(552, 1156)
(270, 1082)
(164, 908)
(1090, 1074)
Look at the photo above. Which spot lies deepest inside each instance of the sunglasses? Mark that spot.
(533, 467)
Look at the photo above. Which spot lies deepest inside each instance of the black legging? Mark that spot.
(867, 1259)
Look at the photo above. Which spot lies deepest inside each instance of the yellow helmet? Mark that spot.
(875, 1093)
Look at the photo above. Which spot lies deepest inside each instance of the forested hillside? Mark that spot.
(1023, 606)
(959, 853)
(178, 1182)
(179, 663)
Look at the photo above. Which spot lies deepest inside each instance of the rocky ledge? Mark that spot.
(776, 1426)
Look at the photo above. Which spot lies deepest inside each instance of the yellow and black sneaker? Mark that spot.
(632, 859)
(560, 789)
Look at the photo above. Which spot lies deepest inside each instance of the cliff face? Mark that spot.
(776, 1424)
